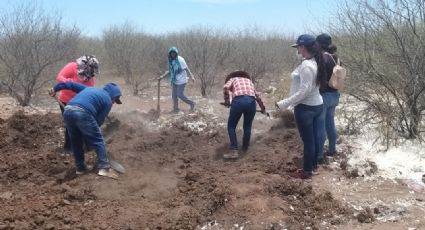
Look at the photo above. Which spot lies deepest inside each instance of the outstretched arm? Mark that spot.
(76, 87)
(163, 75)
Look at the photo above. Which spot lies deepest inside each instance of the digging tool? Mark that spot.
(228, 105)
(266, 113)
(53, 94)
(116, 166)
(59, 102)
(158, 97)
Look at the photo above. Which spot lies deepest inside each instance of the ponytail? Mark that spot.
(315, 51)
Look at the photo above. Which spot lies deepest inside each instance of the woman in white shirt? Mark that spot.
(307, 102)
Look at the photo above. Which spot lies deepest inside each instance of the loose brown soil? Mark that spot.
(177, 179)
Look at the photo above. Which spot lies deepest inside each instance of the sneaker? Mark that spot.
(108, 173)
(174, 111)
(301, 174)
(232, 154)
(66, 152)
(330, 159)
(315, 170)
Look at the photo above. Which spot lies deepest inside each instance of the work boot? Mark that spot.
(315, 170)
(245, 147)
(232, 154)
(108, 173)
(83, 170)
(66, 152)
(192, 107)
(174, 111)
(301, 174)
(80, 172)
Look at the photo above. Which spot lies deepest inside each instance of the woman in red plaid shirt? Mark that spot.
(244, 98)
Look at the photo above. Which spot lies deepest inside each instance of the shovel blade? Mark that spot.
(117, 166)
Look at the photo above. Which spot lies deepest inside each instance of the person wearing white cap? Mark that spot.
(83, 71)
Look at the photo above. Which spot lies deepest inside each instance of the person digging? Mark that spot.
(83, 116)
(239, 85)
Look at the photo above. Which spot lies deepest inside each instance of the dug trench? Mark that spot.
(175, 179)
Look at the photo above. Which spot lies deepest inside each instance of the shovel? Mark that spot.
(266, 113)
(116, 166)
(59, 102)
(158, 108)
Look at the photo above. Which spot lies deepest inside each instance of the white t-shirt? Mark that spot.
(181, 78)
(304, 89)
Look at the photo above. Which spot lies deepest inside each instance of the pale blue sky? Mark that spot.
(290, 17)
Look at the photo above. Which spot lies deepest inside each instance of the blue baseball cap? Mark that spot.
(114, 91)
(304, 40)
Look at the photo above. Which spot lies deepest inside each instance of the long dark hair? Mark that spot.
(331, 49)
(315, 51)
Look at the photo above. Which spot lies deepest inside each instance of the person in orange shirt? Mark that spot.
(83, 71)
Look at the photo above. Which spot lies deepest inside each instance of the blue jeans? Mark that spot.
(330, 101)
(82, 125)
(178, 92)
(311, 126)
(245, 105)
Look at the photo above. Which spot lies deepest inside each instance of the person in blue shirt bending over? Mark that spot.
(83, 116)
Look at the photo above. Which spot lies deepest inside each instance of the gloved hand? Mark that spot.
(52, 92)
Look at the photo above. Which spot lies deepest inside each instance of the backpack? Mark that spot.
(338, 75)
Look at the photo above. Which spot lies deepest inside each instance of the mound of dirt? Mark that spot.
(23, 131)
(176, 179)
(308, 208)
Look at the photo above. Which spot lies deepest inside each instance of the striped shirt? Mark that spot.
(240, 86)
